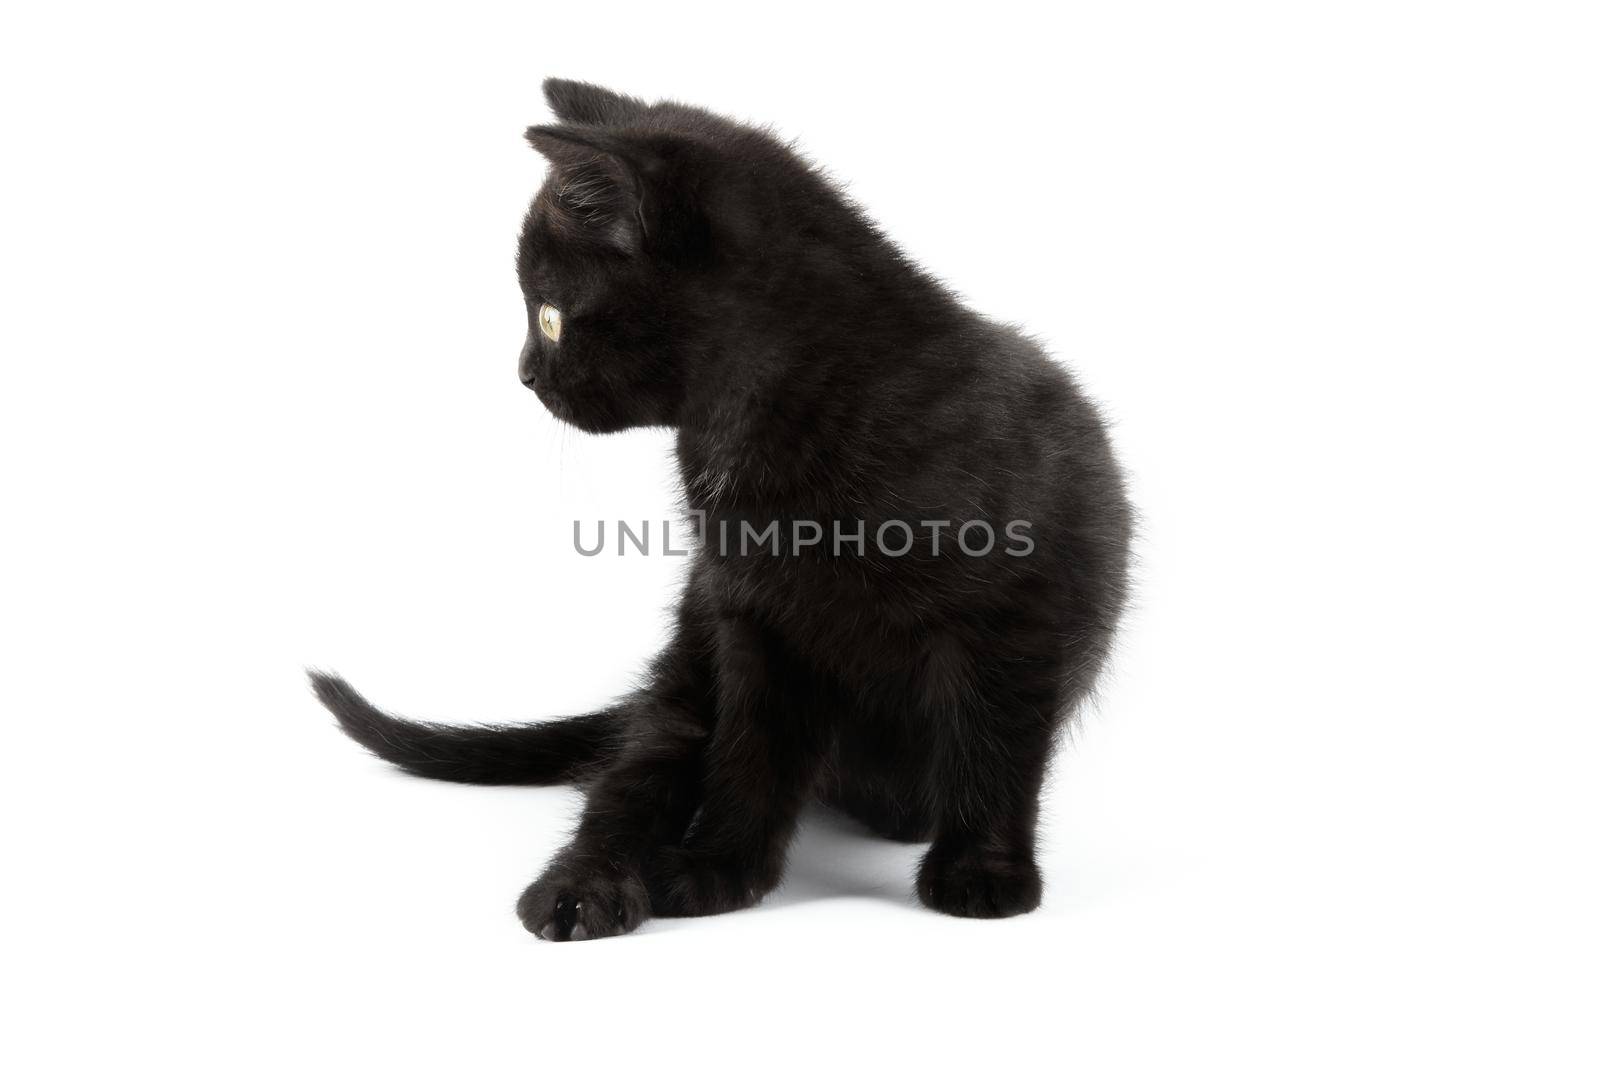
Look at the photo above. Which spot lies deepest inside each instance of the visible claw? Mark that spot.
(568, 905)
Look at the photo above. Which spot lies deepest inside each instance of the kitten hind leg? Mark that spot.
(875, 805)
(758, 771)
(982, 864)
(991, 769)
(878, 777)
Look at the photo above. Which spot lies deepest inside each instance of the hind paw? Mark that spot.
(684, 882)
(974, 885)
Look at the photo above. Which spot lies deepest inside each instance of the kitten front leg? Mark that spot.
(594, 886)
(759, 765)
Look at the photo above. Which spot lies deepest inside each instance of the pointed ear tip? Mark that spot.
(561, 93)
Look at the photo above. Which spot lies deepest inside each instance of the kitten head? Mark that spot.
(612, 262)
(681, 268)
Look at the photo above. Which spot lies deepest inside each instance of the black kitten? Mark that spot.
(940, 533)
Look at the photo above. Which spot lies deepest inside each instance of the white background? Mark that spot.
(1331, 269)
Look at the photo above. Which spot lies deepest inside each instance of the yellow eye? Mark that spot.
(550, 322)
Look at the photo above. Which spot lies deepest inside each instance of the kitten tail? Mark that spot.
(546, 753)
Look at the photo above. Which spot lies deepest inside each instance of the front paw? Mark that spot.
(576, 900)
(685, 882)
(974, 885)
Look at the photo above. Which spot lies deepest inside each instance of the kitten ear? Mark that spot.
(566, 144)
(574, 101)
(600, 180)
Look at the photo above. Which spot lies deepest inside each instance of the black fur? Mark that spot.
(544, 753)
(711, 281)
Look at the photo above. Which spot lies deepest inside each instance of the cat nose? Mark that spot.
(525, 368)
